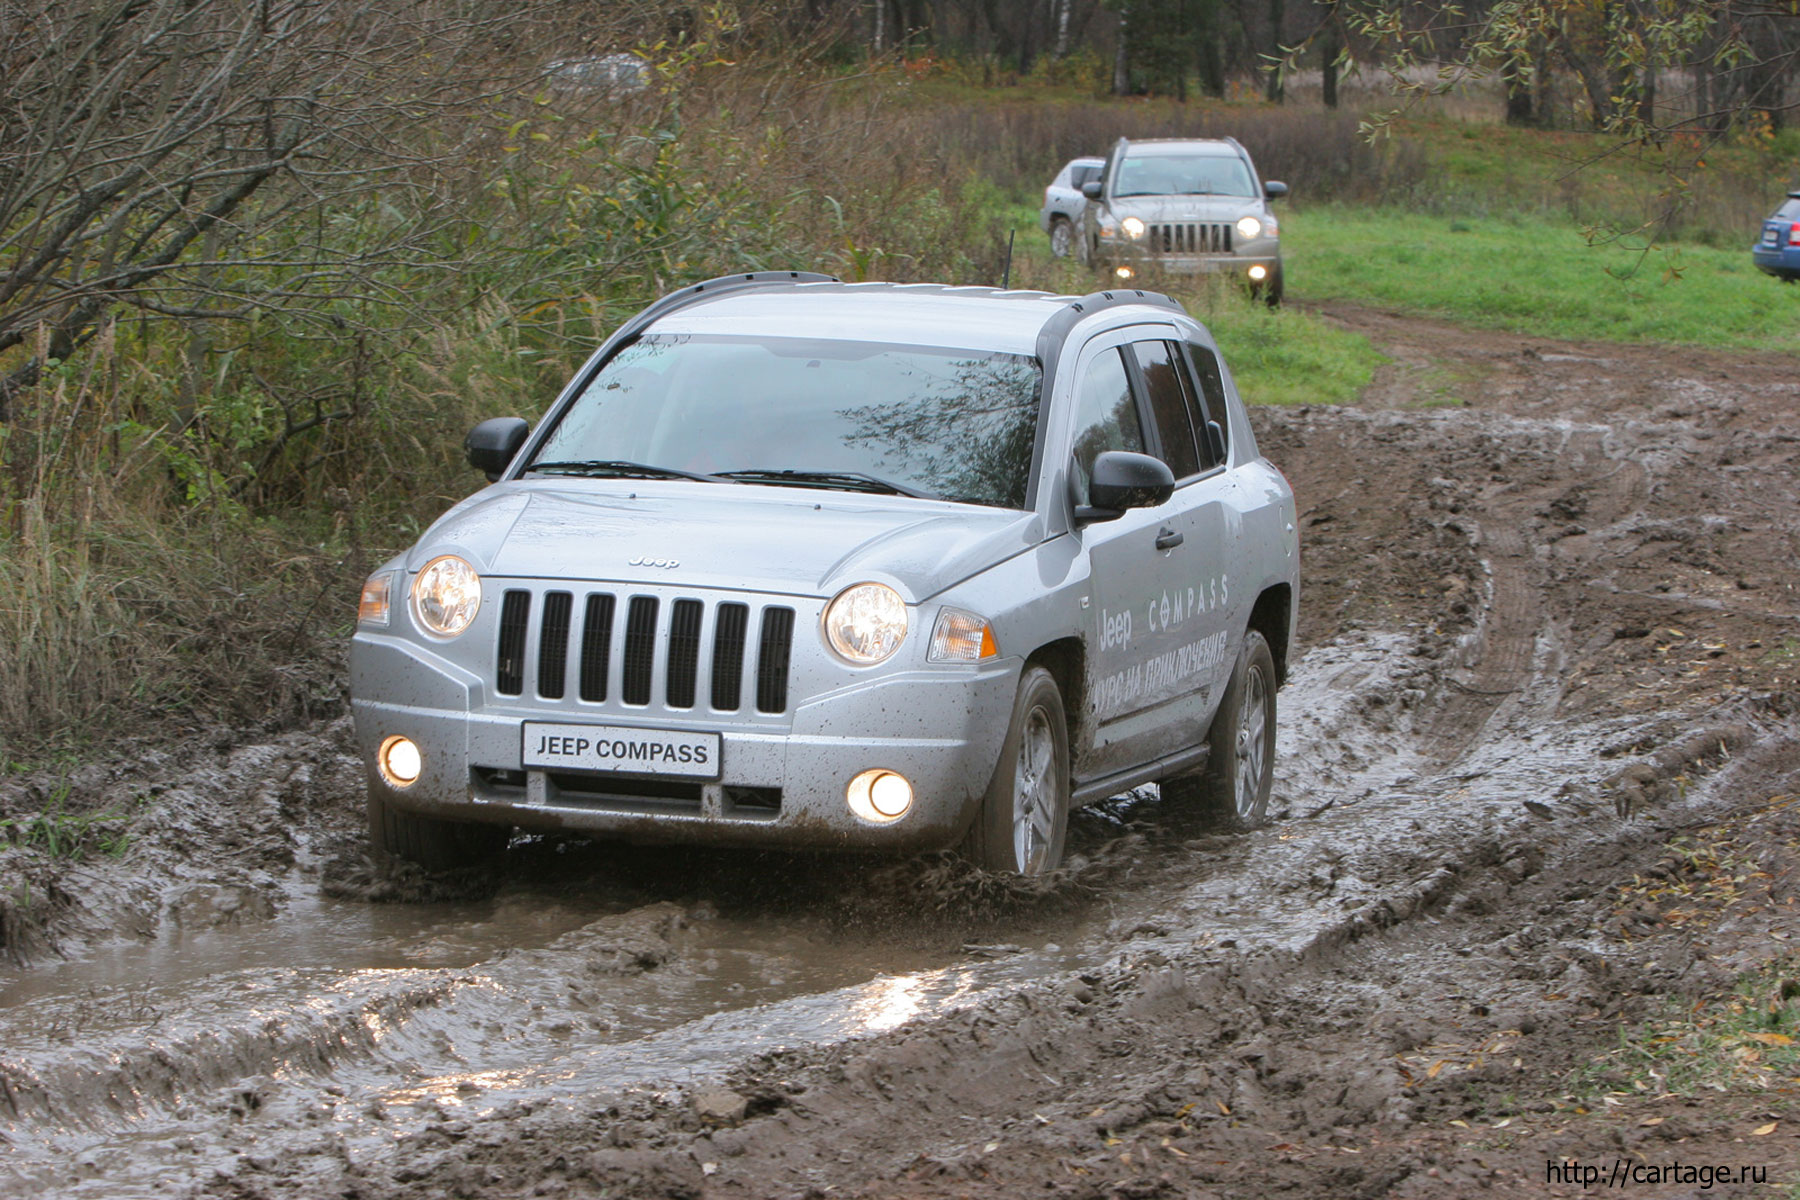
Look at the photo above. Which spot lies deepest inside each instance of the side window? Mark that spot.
(1084, 175)
(1170, 405)
(1105, 417)
(1212, 389)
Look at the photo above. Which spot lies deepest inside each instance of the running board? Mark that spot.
(1086, 792)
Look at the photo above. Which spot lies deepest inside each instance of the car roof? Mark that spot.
(1086, 160)
(1202, 146)
(922, 314)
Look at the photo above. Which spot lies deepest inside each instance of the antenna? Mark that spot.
(1006, 276)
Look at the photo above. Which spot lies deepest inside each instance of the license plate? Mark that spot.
(621, 749)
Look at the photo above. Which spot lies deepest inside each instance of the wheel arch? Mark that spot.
(1066, 660)
(1272, 616)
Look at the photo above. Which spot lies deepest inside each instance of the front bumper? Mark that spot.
(782, 781)
(1123, 252)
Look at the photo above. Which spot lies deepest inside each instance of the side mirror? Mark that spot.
(1274, 189)
(492, 444)
(1123, 479)
(1092, 189)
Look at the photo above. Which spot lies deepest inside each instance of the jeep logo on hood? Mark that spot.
(666, 563)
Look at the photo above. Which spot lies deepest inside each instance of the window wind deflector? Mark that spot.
(616, 468)
(849, 481)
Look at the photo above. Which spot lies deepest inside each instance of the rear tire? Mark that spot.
(1233, 787)
(1062, 237)
(431, 842)
(1024, 820)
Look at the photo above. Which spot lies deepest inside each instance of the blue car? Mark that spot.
(1778, 251)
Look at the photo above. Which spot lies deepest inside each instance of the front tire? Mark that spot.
(431, 842)
(1024, 820)
(1233, 788)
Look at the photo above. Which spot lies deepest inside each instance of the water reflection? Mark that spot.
(887, 1003)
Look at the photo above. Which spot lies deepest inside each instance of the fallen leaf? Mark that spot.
(1764, 1130)
(1648, 1121)
(1435, 1068)
(1184, 1110)
(990, 1147)
(1223, 1107)
(1460, 1124)
(1771, 1039)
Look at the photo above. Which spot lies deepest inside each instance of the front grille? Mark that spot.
(1190, 237)
(684, 636)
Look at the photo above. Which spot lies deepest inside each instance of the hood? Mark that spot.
(788, 540)
(1223, 209)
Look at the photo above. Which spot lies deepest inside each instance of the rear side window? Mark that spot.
(1084, 175)
(1106, 418)
(1787, 212)
(1212, 389)
(1166, 387)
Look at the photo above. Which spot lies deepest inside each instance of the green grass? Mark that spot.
(66, 835)
(1538, 276)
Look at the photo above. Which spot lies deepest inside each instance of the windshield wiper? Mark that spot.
(618, 468)
(850, 481)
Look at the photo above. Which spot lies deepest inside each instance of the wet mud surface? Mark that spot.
(1536, 776)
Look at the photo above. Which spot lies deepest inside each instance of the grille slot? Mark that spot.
(509, 669)
(596, 646)
(728, 657)
(640, 649)
(684, 652)
(553, 645)
(772, 660)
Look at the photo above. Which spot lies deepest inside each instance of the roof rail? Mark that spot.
(1056, 329)
(706, 290)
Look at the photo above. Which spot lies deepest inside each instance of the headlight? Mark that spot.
(446, 596)
(372, 609)
(866, 623)
(1249, 227)
(1134, 228)
(961, 637)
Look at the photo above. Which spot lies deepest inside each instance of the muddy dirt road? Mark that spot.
(1549, 628)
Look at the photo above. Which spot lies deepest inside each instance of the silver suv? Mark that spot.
(1184, 205)
(805, 563)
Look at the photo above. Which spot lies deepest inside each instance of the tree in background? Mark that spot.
(1644, 68)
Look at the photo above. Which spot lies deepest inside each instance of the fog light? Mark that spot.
(399, 761)
(879, 796)
(1258, 273)
(1124, 272)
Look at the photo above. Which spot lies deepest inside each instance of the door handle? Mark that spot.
(1167, 539)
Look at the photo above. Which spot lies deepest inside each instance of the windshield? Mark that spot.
(1184, 175)
(809, 412)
